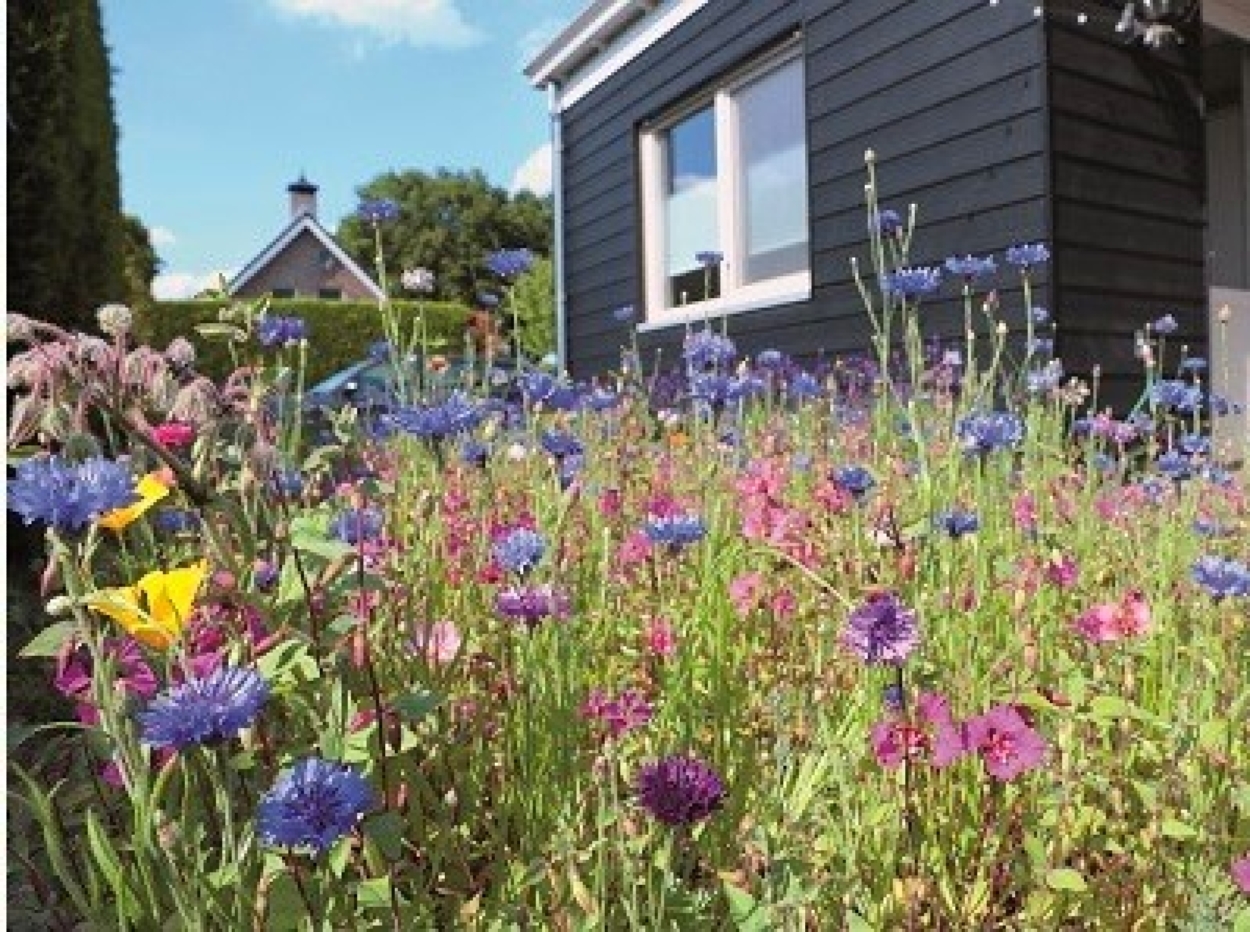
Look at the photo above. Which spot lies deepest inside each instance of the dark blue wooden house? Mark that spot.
(1116, 133)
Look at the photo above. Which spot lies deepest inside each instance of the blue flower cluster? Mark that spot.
(519, 549)
(275, 330)
(510, 263)
(970, 267)
(356, 525)
(856, 480)
(913, 282)
(1222, 578)
(675, 531)
(1027, 255)
(456, 415)
(378, 210)
(705, 349)
(69, 496)
(957, 522)
(987, 432)
(312, 805)
(203, 710)
(1176, 394)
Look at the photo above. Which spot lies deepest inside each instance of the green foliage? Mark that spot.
(142, 262)
(532, 299)
(65, 238)
(448, 223)
(339, 332)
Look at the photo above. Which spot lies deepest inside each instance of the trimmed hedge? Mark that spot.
(339, 332)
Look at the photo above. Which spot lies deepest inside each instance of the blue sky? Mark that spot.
(222, 103)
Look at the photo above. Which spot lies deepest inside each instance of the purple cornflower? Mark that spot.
(704, 349)
(1222, 578)
(913, 282)
(560, 444)
(378, 210)
(175, 521)
(618, 715)
(770, 359)
(625, 314)
(510, 263)
(312, 805)
(1193, 364)
(456, 415)
(1165, 325)
(1040, 315)
(357, 525)
(1008, 745)
(69, 496)
(204, 710)
(889, 223)
(803, 385)
(709, 258)
(531, 604)
(537, 386)
(680, 789)
(1028, 255)
(855, 480)
(882, 631)
(986, 432)
(971, 268)
(675, 531)
(287, 482)
(1175, 465)
(1173, 393)
(518, 550)
(275, 330)
(957, 522)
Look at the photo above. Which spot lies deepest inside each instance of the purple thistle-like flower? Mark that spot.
(531, 604)
(1027, 255)
(680, 789)
(312, 805)
(356, 525)
(274, 330)
(204, 710)
(986, 432)
(971, 267)
(69, 496)
(913, 282)
(519, 549)
(1222, 578)
(675, 531)
(882, 631)
(378, 210)
(510, 263)
(1008, 745)
(704, 349)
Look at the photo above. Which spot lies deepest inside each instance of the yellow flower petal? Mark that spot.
(156, 609)
(151, 490)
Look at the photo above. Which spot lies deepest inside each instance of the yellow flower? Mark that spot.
(156, 608)
(151, 490)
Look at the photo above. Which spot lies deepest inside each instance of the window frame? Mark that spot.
(736, 296)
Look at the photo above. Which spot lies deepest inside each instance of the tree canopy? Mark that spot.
(448, 223)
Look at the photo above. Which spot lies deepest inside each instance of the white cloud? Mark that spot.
(174, 286)
(534, 174)
(416, 22)
(161, 236)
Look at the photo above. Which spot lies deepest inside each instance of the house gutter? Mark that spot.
(557, 209)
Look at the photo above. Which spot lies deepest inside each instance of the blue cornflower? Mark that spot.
(971, 267)
(704, 349)
(569, 469)
(710, 387)
(1193, 364)
(564, 398)
(1041, 346)
(355, 525)
(474, 453)
(176, 521)
(275, 330)
(913, 282)
(675, 531)
(1028, 255)
(519, 549)
(770, 359)
(1175, 465)
(882, 631)
(709, 258)
(265, 575)
(1209, 527)
(894, 699)
(1173, 393)
(380, 350)
(378, 210)
(1165, 325)
(856, 480)
(1040, 315)
(560, 444)
(531, 604)
(1222, 578)
(69, 496)
(204, 710)
(1194, 444)
(803, 385)
(744, 386)
(625, 314)
(986, 432)
(537, 386)
(456, 415)
(312, 805)
(287, 482)
(510, 263)
(889, 223)
(602, 399)
(1045, 379)
(957, 522)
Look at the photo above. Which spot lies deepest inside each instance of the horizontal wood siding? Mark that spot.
(950, 94)
(1127, 173)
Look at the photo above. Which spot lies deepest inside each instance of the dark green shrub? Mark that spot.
(339, 332)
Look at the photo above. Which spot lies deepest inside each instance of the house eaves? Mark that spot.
(302, 223)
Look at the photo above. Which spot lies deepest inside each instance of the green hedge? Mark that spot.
(339, 332)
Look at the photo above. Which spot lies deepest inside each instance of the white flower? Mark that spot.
(419, 280)
(114, 319)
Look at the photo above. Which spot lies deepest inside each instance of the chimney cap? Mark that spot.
(302, 186)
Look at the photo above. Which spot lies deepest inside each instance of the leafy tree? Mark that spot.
(448, 223)
(532, 300)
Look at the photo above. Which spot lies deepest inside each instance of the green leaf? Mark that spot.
(284, 907)
(49, 641)
(748, 915)
(374, 893)
(386, 830)
(309, 534)
(856, 923)
(1112, 708)
(416, 706)
(230, 332)
(1065, 878)
(1174, 828)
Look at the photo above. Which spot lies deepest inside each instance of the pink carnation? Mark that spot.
(1008, 745)
(1115, 621)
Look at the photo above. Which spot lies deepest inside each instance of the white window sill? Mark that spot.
(789, 290)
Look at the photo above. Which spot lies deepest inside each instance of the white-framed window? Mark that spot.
(725, 175)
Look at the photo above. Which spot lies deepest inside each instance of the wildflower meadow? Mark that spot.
(926, 638)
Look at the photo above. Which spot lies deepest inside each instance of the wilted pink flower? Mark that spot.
(1115, 621)
(746, 591)
(661, 640)
(1006, 742)
(439, 642)
(173, 434)
(1240, 870)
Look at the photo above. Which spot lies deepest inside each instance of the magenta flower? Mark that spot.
(932, 735)
(1115, 621)
(882, 630)
(1240, 869)
(618, 715)
(439, 642)
(1008, 745)
(680, 790)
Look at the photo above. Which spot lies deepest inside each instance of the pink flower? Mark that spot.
(1240, 870)
(611, 502)
(620, 714)
(1006, 742)
(1112, 621)
(746, 591)
(634, 549)
(930, 735)
(661, 640)
(1061, 571)
(173, 434)
(784, 603)
(1024, 510)
(439, 642)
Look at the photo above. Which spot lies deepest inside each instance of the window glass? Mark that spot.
(690, 206)
(773, 173)
(330, 294)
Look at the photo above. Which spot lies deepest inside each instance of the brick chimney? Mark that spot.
(303, 197)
